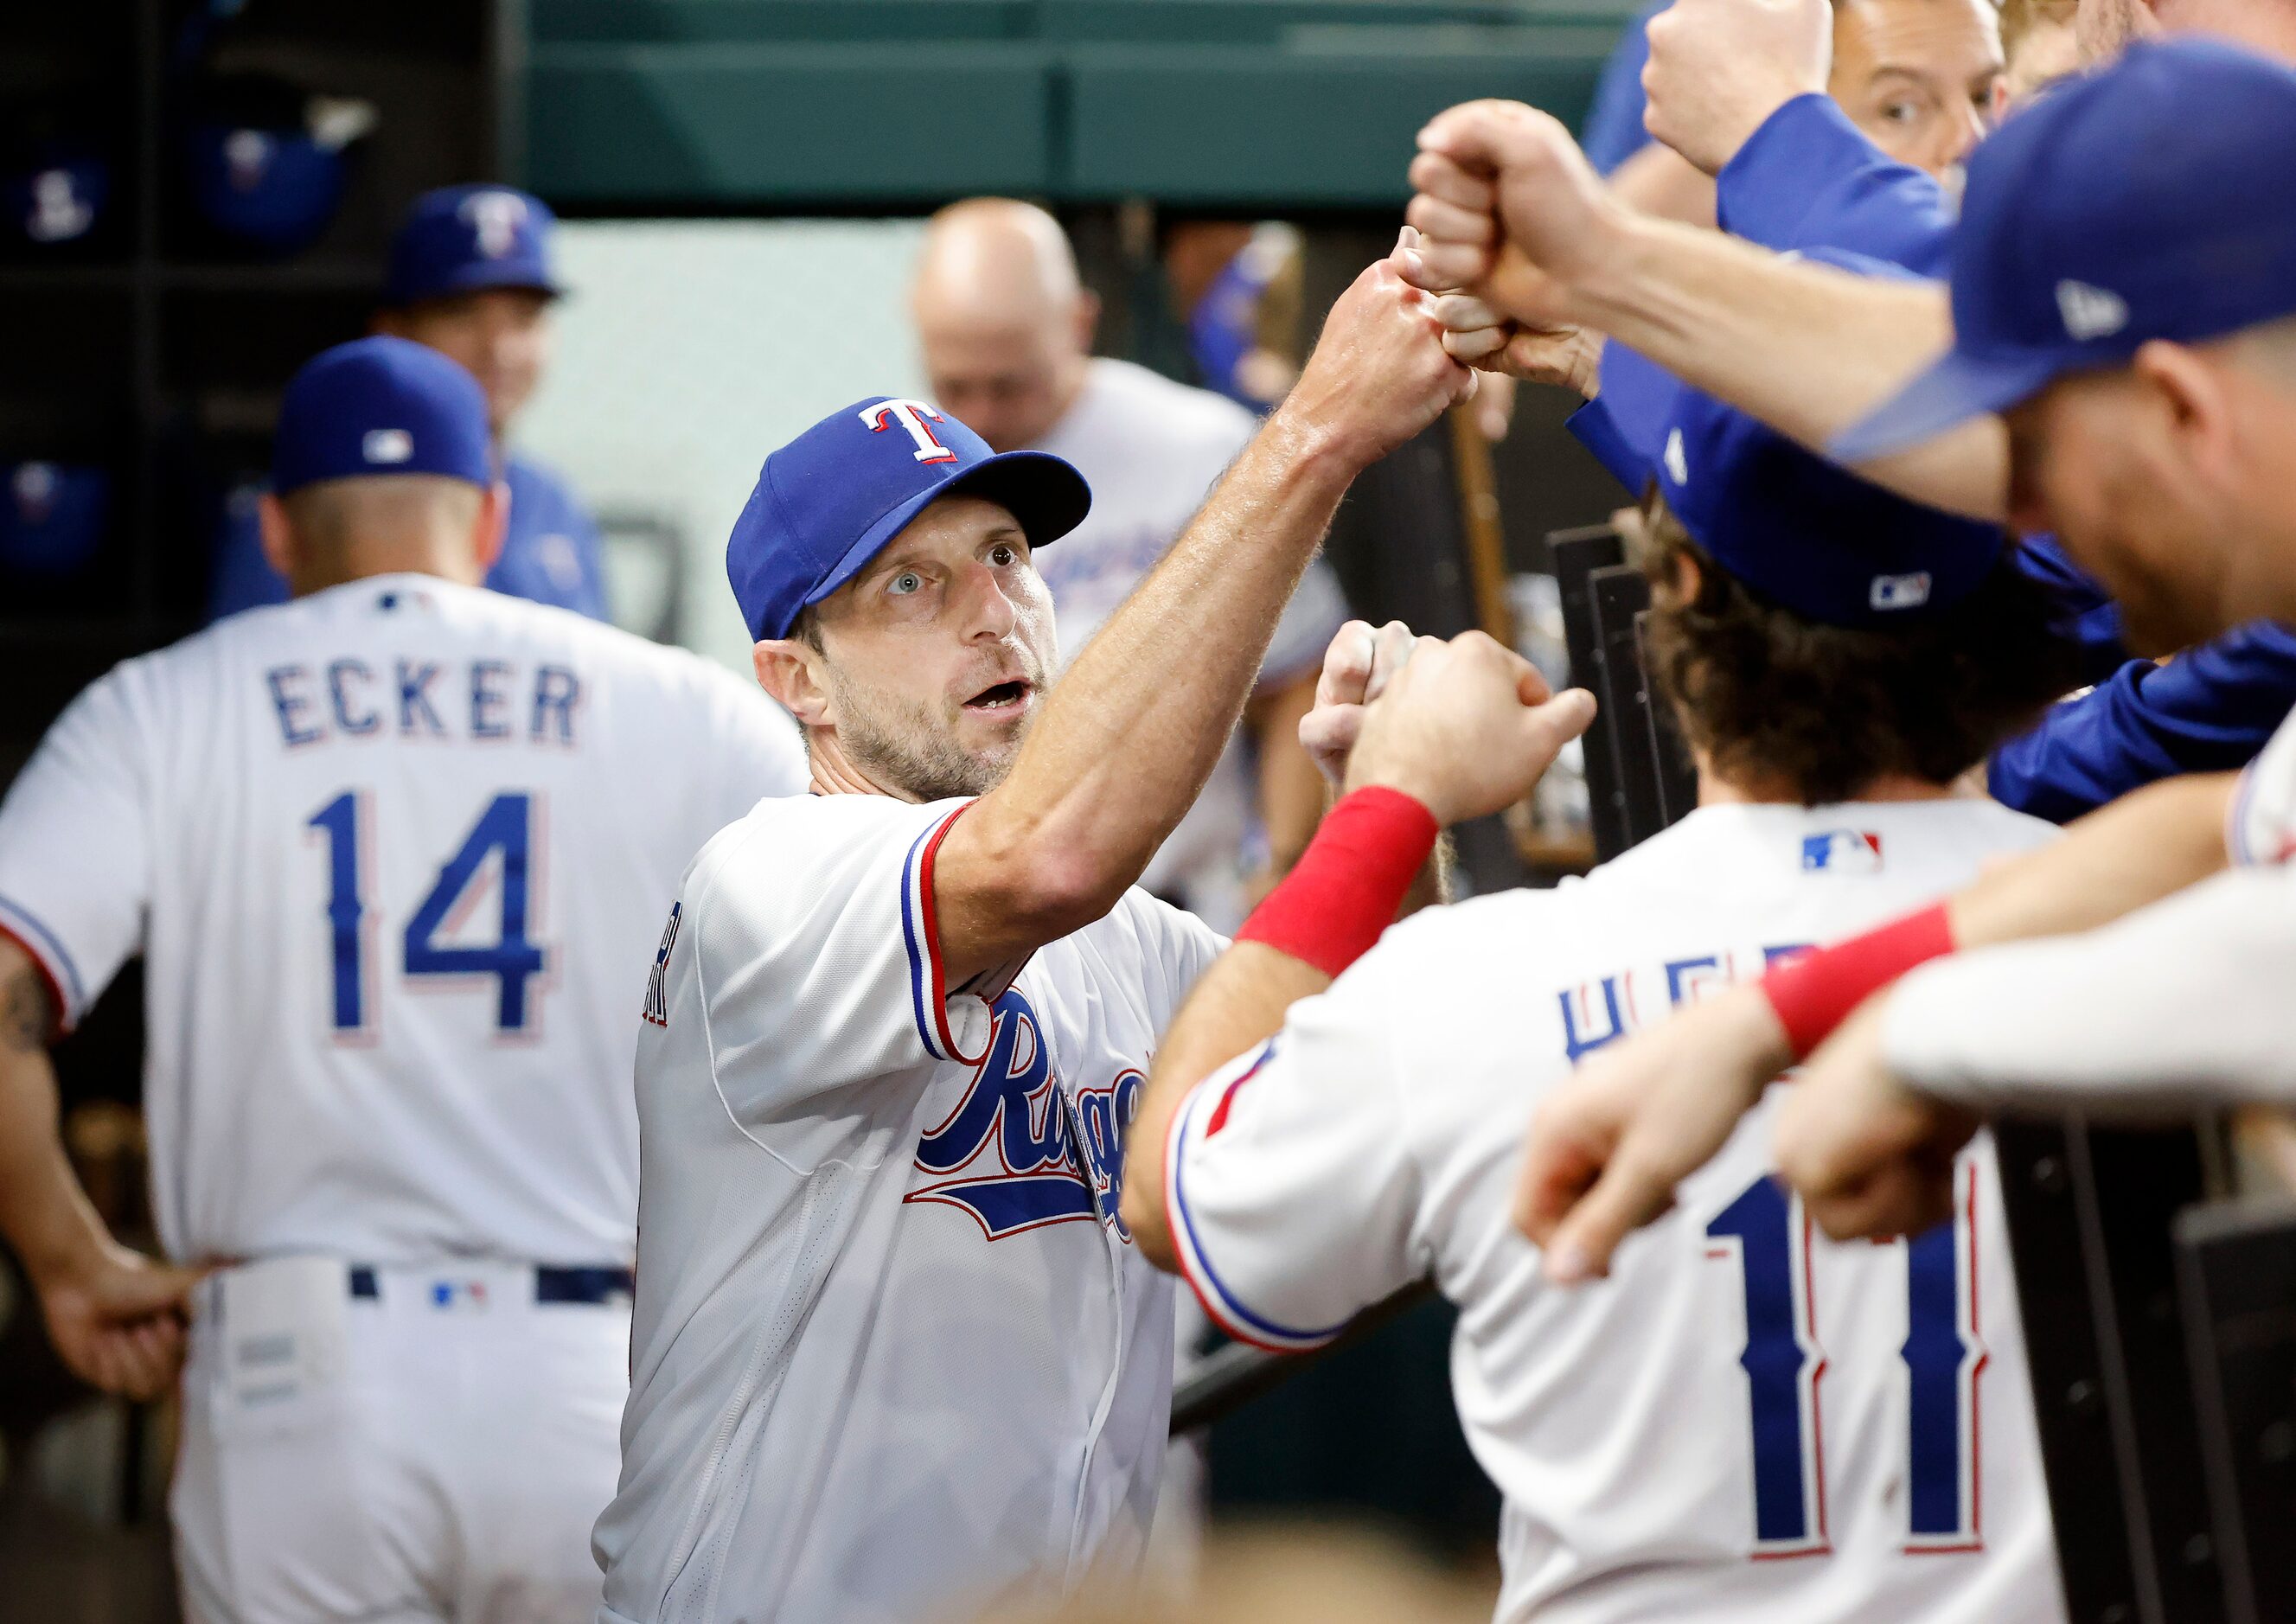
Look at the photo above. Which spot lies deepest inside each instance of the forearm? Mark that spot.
(1807, 349)
(45, 1216)
(2133, 853)
(2174, 1004)
(2123, 856)
(1241, 1001)
(1132, 731)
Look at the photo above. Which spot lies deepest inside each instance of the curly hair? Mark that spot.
(1770, 697)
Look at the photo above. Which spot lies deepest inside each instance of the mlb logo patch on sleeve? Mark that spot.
(1842, 851)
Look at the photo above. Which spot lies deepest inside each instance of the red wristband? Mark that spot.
(1347, 885)
(1816, 992)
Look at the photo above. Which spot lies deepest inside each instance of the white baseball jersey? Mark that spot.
(2170, 1008)
(395, 855)
(1152, 449)
(893, 1346)
(1746, 1422)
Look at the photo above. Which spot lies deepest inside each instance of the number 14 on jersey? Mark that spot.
(500, 845)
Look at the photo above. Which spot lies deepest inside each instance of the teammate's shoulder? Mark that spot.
(1459, 951)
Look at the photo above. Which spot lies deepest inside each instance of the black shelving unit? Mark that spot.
(154, 347)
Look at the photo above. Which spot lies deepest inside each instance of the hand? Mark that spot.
(1869, 1156)
(1508, 209)
(1465, 728)
(1606, 1150)
(119, 1320)
(1718, 69)
(1356, 668)
(1486, 339)
(1379, 373)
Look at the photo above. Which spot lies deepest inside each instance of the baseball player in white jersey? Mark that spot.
(893, 1348)
(1748, 1422)
(395, 855)
(1006, 329)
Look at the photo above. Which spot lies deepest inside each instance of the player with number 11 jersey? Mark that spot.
(1746, 1422)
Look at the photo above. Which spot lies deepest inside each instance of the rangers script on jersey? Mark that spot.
(893, 1346)
(1746, 1422)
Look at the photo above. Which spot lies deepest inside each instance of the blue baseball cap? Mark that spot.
(2152, 199)
(461, 239)
(1802, 532)
(829, 501)
(381, 406)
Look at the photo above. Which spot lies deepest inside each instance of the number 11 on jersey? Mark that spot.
(1764, 1231)
(500, 843)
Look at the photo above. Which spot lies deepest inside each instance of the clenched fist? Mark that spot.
(1380, 373)
(1465, 728)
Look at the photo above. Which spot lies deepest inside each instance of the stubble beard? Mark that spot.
(905, 747)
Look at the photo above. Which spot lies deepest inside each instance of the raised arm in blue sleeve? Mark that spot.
(2209, 709)
(1810, 178)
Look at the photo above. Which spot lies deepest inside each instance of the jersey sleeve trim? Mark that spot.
(921, 935)
(1210, 1100)
(2236, 818)
(24, 928)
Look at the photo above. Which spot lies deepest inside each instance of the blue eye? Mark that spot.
(905, 583)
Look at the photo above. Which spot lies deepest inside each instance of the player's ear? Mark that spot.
(786, 671)
(493, 526)
(1087, 319)
(2194, 405)
(277, 535)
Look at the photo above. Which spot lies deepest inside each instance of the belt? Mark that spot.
(591, 1285)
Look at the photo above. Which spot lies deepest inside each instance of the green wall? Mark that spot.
(771, 104)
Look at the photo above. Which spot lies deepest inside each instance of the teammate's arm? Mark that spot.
(1129, 734)
(1511, 212)
(115, 1317)
(2154, 1016)
(1462, 729)
(1606, 1150)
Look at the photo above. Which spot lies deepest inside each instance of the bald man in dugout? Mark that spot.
(1006, 329)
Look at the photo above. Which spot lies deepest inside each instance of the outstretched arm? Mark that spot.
(1131, 732)
(1511, 212)
(116, 1319)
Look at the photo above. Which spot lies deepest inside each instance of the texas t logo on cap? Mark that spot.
(495, 217)
(912, 415)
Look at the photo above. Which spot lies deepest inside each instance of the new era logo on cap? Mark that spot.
(385, 447)
(2090, 312)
